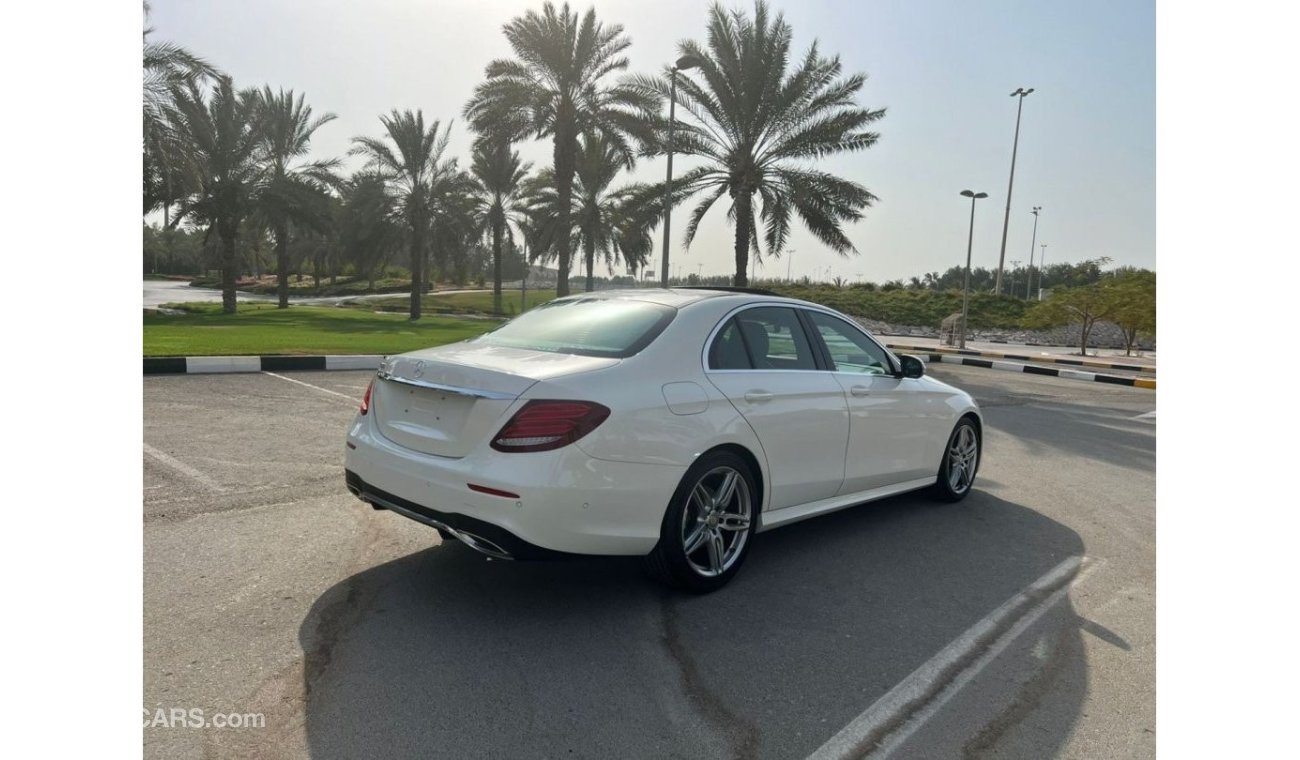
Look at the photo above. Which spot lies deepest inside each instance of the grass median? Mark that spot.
(477, 302)
(262, 329)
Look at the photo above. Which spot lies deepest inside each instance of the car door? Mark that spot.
(890, 417)
(766, 364)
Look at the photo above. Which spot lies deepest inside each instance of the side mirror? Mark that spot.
(911, 366)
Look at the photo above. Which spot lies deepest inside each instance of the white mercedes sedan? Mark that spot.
(671, 424)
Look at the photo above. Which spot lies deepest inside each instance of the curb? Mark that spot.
(201, 365)
(1022, 357)
(1029, 369)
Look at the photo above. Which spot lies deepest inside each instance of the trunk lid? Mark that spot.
(447, 400)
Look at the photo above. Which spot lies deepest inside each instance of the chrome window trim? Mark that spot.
(708, 342)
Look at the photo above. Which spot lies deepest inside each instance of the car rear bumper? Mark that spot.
(568, 502)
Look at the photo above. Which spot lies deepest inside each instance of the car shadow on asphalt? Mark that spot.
(444, 653)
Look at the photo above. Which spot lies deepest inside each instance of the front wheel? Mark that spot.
(961, 459)
(707, 528)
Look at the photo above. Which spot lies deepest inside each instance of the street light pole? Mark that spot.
(1042, 262)
(1006, 219)
(685, 62)
(965, 288)
(1030, 278)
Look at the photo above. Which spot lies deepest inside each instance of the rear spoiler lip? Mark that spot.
(384, 374)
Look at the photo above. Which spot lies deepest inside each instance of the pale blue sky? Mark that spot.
(943, 69)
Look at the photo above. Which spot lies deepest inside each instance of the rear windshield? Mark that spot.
(585, 326)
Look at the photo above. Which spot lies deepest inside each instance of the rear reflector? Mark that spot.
(365, 400)
(542, 425)
(492, 491)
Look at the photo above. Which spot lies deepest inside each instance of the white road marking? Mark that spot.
(1151, 415)
(893, 718)
(183, 468)
(350, 399)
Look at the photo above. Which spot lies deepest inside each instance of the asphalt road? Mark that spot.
(269, 589)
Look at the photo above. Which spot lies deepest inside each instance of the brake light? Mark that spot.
(365, 400)
(544, 425)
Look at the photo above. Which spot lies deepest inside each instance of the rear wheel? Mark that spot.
(961, 460)
(708, 525)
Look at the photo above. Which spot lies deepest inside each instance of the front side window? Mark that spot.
(850, 349)
(586, 326)
(762, 338)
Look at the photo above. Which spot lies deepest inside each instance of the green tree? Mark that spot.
(415, 171)
(293, 190)
(1084, 305)
(453, 227)
(614, 224)
(370, 230)
(221, 137)
(1134, 295)
(757, 123)
(498, 174)
(556, 87)
(169, 169)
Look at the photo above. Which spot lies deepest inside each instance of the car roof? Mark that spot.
(679, 297)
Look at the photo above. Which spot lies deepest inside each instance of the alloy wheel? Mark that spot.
(962, 455)
(716, 524)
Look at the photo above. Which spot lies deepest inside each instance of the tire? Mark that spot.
(715, 510)
(960, 462)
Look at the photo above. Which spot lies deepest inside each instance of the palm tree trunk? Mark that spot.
(565, 147)
(744, 219)
(229, 267)
(496, 266)
(282, 264)
(417, 268)
(590, 245)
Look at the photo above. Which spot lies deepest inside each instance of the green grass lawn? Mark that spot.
(460, 303)
(264, 329)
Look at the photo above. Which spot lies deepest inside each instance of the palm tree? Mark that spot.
(369, 229)
(498, 173)
(168, 171)
(414, 170)
(757, 126)
(453, 224)
(615, 224)
(221, 137)
(292, 191)
(555, 88)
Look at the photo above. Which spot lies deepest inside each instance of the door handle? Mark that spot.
(860, 390)
(757, 397)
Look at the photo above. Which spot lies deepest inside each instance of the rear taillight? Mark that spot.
(545, 425)
(365, 400)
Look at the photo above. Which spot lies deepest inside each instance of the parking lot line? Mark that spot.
(181, 467)
(350, 399)
(894, 717)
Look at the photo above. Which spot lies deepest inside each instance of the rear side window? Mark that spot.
(585, 326)
(771, 338)
(728, 349)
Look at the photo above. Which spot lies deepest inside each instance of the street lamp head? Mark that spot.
(688, 62)
(1022, 92)
(970, 194)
